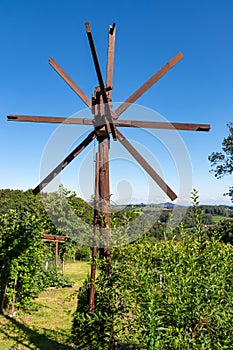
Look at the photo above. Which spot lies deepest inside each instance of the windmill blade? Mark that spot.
(47, 119)
(162, 125)
(110, 63)
(96, 61)
(100, 79)
(70, 82)
(148, 84)
(120, 123)
(65, 162)
(146, 166)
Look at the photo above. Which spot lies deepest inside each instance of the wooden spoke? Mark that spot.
(149, 83)
(162, 125)
(100, 79)
(146, 166)
(70, 82)
(65, 162)
(96, 61)
(120, 123)
(42, 119)
(110, 64)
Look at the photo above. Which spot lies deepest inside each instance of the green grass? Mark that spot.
(217, 218)
(48, 325)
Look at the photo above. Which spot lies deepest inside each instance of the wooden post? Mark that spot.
(63, 266)
(56, 254)
(14, 296)
(104, 192)
(3, 298)
(95, 237)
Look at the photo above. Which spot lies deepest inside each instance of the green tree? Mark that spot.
(21, 257)
(222, 162)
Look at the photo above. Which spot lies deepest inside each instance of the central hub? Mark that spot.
(100, 122)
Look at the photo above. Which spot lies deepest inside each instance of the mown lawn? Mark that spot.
(48, 325)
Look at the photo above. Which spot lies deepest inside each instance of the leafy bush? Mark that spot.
(82, 253)
(52, 278)
(165, 295)
(21, 255)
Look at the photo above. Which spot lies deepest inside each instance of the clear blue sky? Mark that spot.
(149, 33)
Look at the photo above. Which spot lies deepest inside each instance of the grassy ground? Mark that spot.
(48, 325)
(217, 218)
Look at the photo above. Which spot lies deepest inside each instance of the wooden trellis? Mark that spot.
(56, 239)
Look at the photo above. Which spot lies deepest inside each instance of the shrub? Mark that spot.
(52, 278)
(21, 256)
(165, 295)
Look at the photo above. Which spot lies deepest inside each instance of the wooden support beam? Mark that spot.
(70, 82)
(95, 237)
(110, 62)
(65, 162)
(146, 166)
(104, 196)
(53, 238)
(56, 254)
(100, 80)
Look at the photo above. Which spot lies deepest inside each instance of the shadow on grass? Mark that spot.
(120, 346)
(31, 339)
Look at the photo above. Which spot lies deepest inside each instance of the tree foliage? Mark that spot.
(222, 162)
(223, 230)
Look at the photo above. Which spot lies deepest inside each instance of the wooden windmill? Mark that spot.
(105, 124)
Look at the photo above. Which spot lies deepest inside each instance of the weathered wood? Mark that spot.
(162, 125)
(65, 162)
(95, 59)
(119, 123)
(95, 237)
(49, 119)
(146, 166)
(56, 254)
(104, 195)
(148, 84)
(54, 238)
(14, 296)
(100, 80)
(70, 82)
(110, 62)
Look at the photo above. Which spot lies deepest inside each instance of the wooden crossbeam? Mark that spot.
(54, 238)
(163, 125)
(49, 119)
(119, 123)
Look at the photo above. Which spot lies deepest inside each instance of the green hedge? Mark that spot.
(165, 295)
